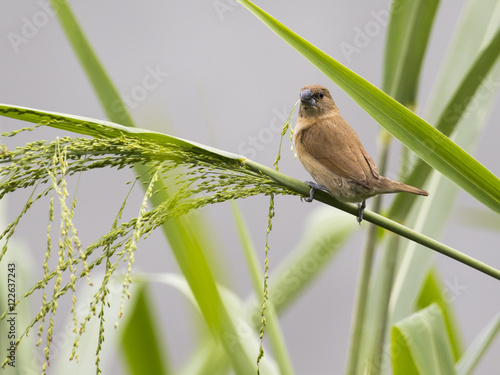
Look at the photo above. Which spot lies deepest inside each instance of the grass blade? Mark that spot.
(451, 115)
(422, 344)
(234, 304)
(143, 350)
(433, 292)
(103, 129)
(478, 347)
(98, 77)
(408, 33)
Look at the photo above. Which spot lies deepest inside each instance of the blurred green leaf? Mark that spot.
(428, 143)
(420, 344)
(478, 347)
(407, 37)
(452, 113)
(433, 291)
(325, 233)
(60, 363)
(478, 218)
(397, 34)
(103, 86)
(256, 275)
(247, 338)
(207, 359)
(144, 352)
(478, 22)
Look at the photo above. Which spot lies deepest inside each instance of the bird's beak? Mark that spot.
(307, 97)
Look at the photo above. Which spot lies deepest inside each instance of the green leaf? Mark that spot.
(478, 218)
(479, 20)
(87, 343)
(247, 339)
(107, 93)
(478, 347)
(142, 347)
(397, 34)
(433, 291)
(452, 113)
(248, 247)
(407, 37)
(420, 344)
(103, 129)
(427, 142)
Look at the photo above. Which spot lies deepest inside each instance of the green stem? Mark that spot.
(388, 264)
(381, 221)
(362, 298)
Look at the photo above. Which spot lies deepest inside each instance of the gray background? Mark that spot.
(230, 78)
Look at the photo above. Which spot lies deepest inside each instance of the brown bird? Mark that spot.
(332, 153)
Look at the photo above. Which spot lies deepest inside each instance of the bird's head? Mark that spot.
(315, 100)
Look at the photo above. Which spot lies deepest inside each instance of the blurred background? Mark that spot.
(210, 72)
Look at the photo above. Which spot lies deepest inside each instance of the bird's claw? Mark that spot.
(314, 186)
(362, 207)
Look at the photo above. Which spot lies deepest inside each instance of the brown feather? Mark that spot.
(332, 153)
(335, 144)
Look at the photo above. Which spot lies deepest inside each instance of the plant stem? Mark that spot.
(388, 265)
(362, 297)
(381, 221)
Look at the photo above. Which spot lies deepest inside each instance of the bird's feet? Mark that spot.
(362, 207)
(314, 186)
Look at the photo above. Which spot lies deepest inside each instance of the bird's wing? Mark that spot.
(335, 144)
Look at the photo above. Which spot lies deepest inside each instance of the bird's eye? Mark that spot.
(321, 95)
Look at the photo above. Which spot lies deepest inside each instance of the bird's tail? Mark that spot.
(391, 186)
